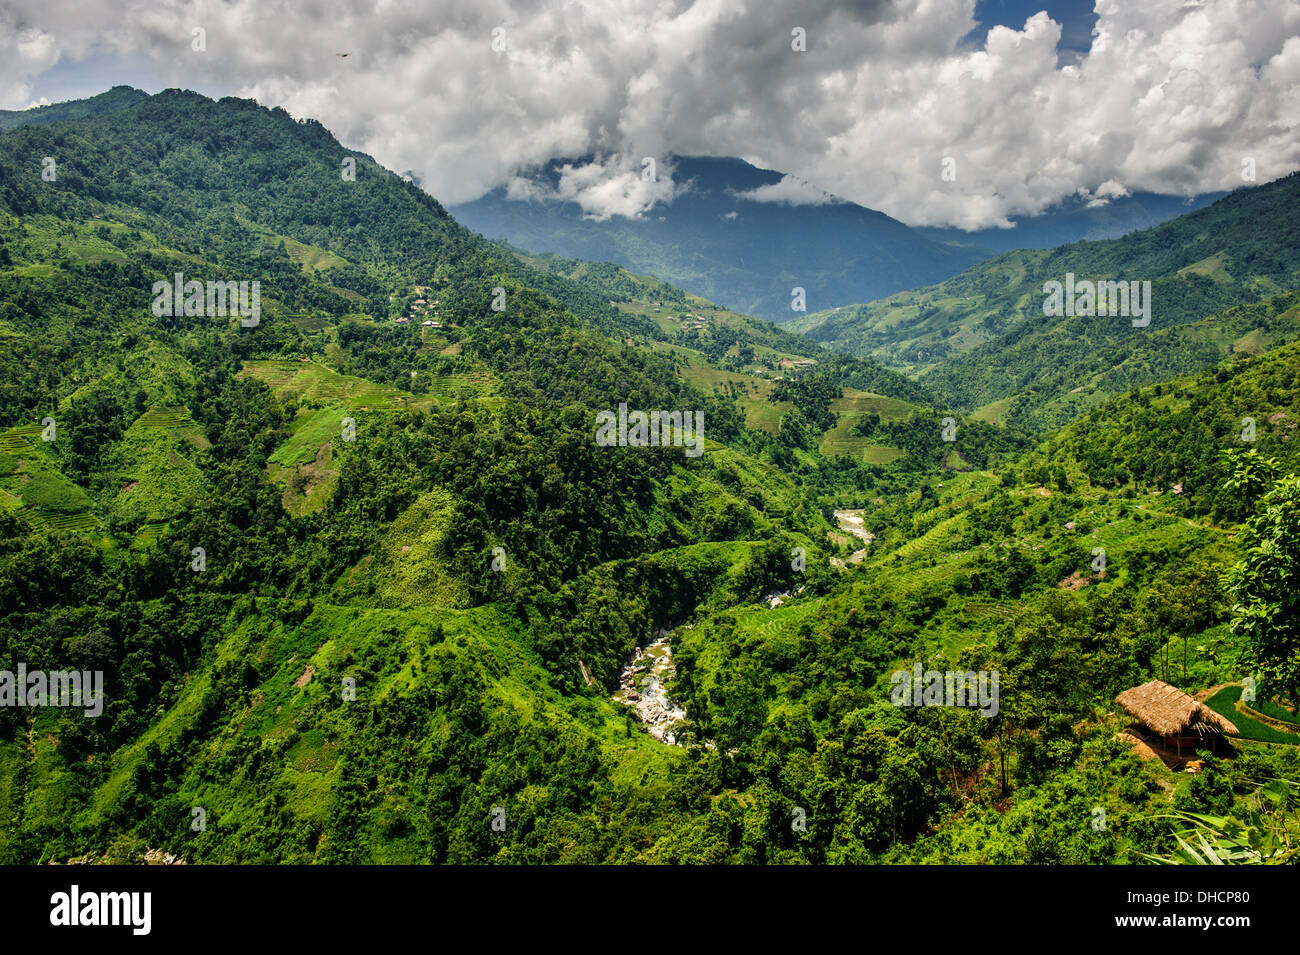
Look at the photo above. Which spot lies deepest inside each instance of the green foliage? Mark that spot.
(1185, 437)
(1265, 603)
(982, 336)
(480, 571)
(1265, 834)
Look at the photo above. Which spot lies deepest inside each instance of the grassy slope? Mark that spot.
(401, 616)
(981, 337)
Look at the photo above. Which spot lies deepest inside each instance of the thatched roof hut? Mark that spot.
(1167, 710)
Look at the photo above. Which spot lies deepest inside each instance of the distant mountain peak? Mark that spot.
(717, 226)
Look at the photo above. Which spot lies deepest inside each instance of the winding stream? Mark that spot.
(642, 685)
(851, 523)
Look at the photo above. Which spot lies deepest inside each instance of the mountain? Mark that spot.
(182, 434)
(1074, 220)
(119, 97)
(717, 241)
(364, 587)
(982, 337)
(232, 516)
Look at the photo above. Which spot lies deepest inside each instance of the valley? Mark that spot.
(360, 574)
(643, 686)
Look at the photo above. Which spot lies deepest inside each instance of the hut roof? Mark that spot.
(1169, 711)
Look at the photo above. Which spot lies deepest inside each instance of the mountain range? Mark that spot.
(746, 237)
(728, 236)
(365, 587)
(981, 341)
(1074, 220)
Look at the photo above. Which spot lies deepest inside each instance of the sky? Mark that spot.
(938, 112)
(1076, 17)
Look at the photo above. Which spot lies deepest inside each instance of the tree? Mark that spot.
(1265, 588)
(1250, 474)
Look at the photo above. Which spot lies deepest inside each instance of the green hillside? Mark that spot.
(982, 336)
(362, 583)
(119, 97)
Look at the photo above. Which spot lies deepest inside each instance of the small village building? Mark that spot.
(1176, 718)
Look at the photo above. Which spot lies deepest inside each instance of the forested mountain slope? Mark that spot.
(362, 583)
(326, 457)
(983, 336)
(1108, 555)
(119, 97)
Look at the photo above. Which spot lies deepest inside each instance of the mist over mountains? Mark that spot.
(735, 234)
(745, 237)
(1076, 220)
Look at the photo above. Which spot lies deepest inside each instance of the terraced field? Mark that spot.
(310, 257)
(19, 440)
(1005, 612)
(86, 246)
(309, 379)
(773, 622)
(176, 421)
(995, 412)
(147, 536)
(855, 402)
(476, 384)
(61, 523)
(1227, 703)
(850, 407)
(32, 485)
(754, 394)
(310, 430)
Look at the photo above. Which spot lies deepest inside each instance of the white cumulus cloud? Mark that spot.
(791, 191)
(1171, 97)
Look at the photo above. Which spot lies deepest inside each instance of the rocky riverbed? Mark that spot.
(642, 685)
(851, 523)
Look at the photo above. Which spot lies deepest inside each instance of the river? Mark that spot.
(643, 685)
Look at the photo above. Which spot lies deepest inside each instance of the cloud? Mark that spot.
(606, 188)
(603, 188)
(1108, 190)
(1170, 98)
(791, 191)
(24, 52)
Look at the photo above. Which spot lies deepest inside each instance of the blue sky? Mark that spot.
(76, 79)
(1075, 16)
